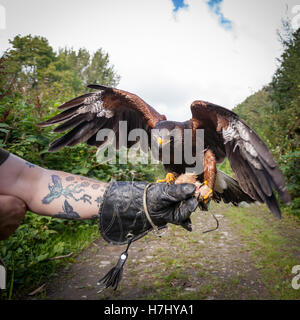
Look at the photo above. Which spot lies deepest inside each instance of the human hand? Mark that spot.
(12, 212)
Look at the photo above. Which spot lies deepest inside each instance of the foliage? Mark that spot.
(274, 113)
(225, 167)
(285, 83)
(290, 166)
(35, 80)
(28, 252)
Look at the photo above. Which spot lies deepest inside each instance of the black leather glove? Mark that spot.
(122, 211)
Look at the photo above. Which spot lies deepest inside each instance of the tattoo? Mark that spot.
(57, 190)
(70, 178)
(95, 186)
(84, 184)
(30, 165)
(68, 213)
(89, 179)
(99, 200)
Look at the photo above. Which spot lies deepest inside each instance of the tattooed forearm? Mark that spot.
(68, 213)
(68, 196)
(57, 190)
(50, 193)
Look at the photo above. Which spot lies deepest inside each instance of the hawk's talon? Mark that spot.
(205, 193)
(170, 179)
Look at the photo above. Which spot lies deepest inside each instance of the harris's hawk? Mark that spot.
(257, 176)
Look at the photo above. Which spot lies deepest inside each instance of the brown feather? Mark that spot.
(75, 102)
(252, 162)
(65, 115)
(91, 112)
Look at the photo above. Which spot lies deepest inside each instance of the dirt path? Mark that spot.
(191, 265)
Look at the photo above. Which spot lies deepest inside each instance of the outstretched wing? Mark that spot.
(103, 109)
(255, 169)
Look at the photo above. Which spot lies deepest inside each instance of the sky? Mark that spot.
(169, 52)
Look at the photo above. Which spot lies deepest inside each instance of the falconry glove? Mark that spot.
(131, 209)
(123, 210)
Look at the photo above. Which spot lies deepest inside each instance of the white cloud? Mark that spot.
(168, 62)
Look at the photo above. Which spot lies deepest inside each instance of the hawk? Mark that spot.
(257, 176)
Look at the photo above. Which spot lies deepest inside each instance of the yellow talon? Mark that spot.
(170, 179)
(205, 192)
(208, 194)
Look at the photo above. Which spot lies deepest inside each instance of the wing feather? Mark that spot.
(228, 189)
(89, 113)
(255, 169)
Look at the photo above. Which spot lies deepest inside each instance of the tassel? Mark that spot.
(114, 275)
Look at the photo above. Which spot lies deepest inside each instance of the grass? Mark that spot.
(171, 287)
(269, 245)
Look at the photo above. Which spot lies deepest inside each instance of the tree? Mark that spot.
(93, 74)
(32, 67)
(34, 81)
(27, 59)
(286, 80)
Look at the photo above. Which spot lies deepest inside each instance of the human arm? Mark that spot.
(49, 192)
(62, 195)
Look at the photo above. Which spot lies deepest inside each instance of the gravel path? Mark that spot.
(180, 265)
